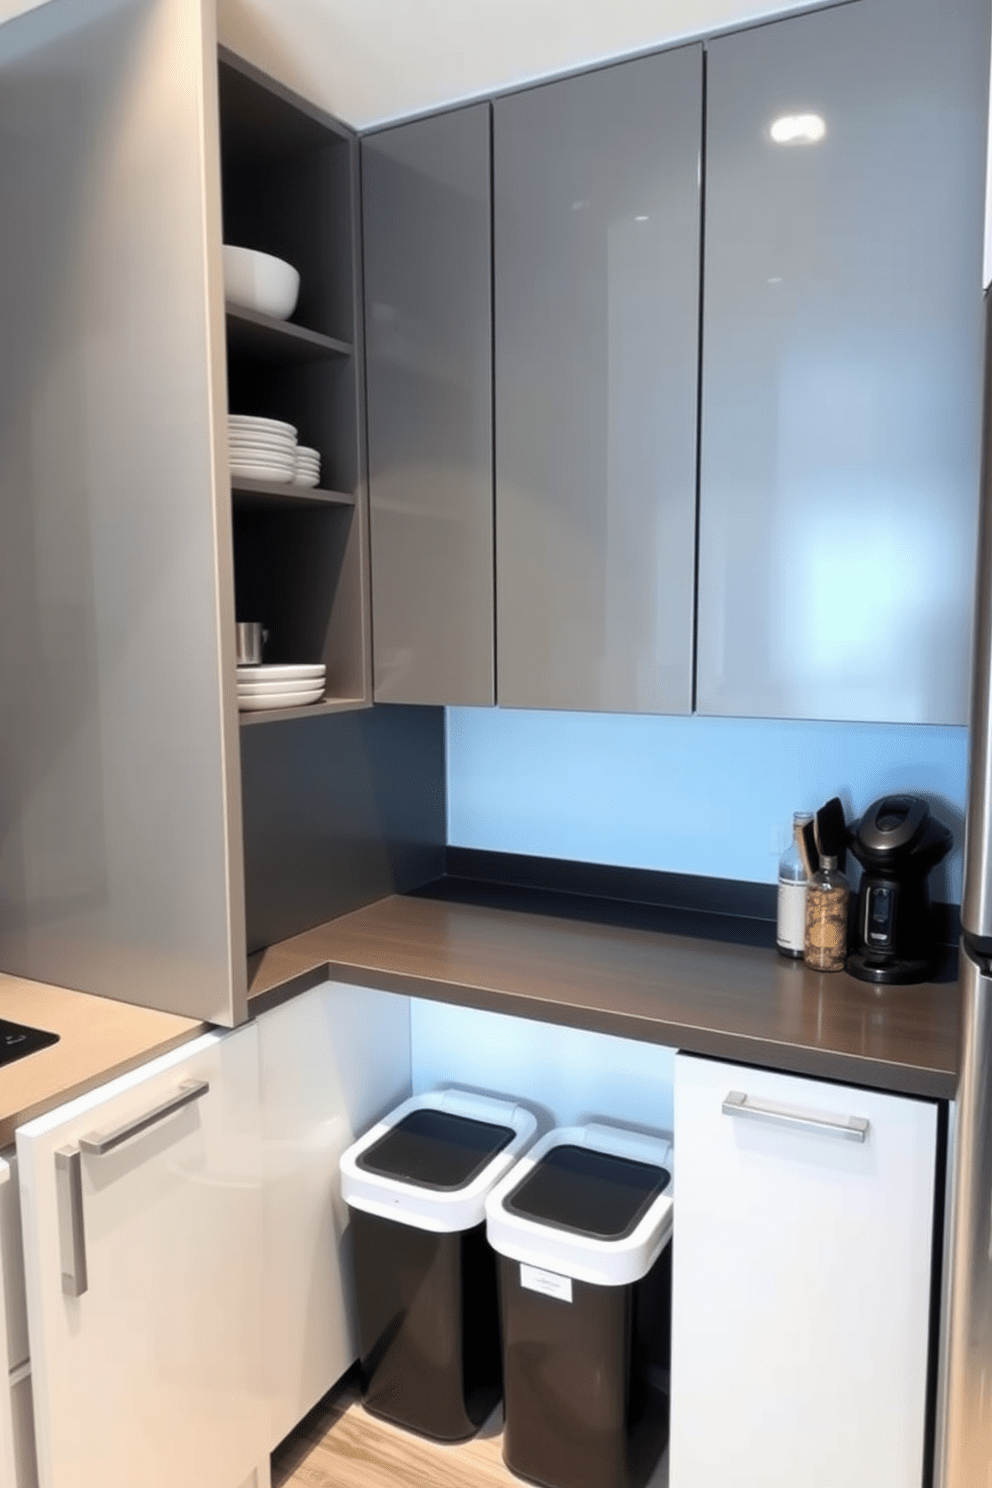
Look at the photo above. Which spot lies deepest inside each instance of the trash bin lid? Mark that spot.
(592, 1202)
(432, 1161)
(588, 1192)
(436, 1149)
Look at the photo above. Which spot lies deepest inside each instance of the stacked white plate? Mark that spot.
(261, 448)
(262, 687)
(307, 466)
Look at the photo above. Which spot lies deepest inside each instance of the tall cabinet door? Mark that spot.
(802, 1281)
(426, 208)
(842, 363)
(143, 1245)
(596, 252)
(121, 859)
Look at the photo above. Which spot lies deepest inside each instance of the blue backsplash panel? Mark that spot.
(711, 796)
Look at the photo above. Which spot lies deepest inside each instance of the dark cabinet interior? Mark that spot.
(289, 187)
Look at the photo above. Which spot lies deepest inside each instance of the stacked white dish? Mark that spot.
(307, 466)
(290, 686)
(261, 448)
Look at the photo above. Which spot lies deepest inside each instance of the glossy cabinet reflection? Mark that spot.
(596, 264)
(842, 364)
(428, 302)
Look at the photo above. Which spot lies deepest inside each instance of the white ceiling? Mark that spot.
(369, 61)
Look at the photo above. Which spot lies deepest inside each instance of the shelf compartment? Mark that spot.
(318, 398)
(256, 495)
(254, 335)
(297, 571)
(288, 190)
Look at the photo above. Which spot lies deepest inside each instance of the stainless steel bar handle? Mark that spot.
(97, 1143)
(848, 1128)
(69, 1200)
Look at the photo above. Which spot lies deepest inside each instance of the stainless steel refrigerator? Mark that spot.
(964, 1412)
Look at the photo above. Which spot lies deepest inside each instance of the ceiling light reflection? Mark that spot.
(798, 129)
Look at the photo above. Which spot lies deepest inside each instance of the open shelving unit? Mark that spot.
(289, 187)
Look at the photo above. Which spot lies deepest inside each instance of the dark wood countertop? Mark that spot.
(719, 996)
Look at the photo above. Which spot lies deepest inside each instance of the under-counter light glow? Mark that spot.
(798, 129)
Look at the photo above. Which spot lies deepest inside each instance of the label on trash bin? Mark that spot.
(548, 1282)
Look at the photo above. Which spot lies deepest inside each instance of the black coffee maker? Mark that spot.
(897, 842)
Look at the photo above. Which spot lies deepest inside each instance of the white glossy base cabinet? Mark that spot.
(152, 1375)
(332, 1061)
(801, 1283)
(18, 1468)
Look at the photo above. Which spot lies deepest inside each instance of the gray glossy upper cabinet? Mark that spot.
(842, 364)
(426, 209)
(120, 844)
(597, 220)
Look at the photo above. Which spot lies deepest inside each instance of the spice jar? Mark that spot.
(827, 897)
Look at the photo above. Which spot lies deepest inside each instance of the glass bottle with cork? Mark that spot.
(794, 873)
(828, 894)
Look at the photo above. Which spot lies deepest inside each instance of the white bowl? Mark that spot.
(257, 281)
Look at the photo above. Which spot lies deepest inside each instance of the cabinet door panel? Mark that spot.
(596, 233)
(332, 1062)
(426, 209)
(841, 373)
(801, 1285)
(120, 865)
(153, 1373)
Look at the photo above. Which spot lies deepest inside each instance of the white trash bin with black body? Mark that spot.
(582, 1225)
(425, 1277)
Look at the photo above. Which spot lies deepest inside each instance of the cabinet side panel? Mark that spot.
(426, 214)
(118, 789)
(333, 1061)
(338, 811)
(842, 365)
(596, 266)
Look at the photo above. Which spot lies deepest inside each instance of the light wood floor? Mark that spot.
(340, 1446)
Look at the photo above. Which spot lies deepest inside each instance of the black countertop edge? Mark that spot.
(734, 911)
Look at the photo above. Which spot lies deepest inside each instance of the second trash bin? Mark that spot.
(582, 1226)
(425, 1277)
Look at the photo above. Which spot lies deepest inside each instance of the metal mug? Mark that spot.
(251, 637)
